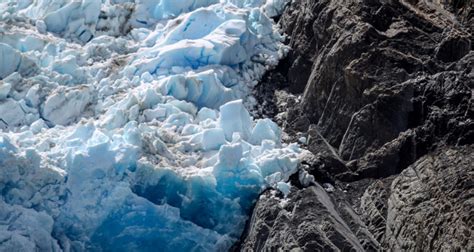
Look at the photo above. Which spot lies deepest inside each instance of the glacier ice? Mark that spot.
(235, 119)
(124, 124)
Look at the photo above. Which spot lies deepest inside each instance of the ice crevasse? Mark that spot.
(124, 125)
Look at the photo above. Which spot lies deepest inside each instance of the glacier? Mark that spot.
(125, 124)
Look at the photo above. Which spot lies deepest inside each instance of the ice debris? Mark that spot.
(124, 124)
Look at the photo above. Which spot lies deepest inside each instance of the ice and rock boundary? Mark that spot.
(124, 124)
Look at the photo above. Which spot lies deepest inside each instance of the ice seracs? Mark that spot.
(235, 118)
(125, 124)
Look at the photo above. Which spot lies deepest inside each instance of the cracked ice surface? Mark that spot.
(124, 127)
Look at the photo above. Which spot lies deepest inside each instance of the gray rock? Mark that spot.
(308, 220)
(431, 203)
(366, 57)
(373, 207)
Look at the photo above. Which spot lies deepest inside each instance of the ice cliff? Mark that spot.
(124, 125)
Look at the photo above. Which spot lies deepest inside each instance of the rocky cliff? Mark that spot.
(381, 94)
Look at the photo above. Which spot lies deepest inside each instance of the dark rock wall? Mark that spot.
(359, 61)
(383, 91)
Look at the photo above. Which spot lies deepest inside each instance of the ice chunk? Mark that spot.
(302, 140)
(206, 113)
(212, 139)
(157, 113)
(265, 129)
(151, 98)
(65, 106)
(5, 88)
(197, 25)
(235, 118)
(305, 178)
(284, 188)
(91, 10)
(274, 7)
(230, 156)
(58, 20)
(10, 60)
(74, 18)
(32, 96)
(11, 114)
(38, 125)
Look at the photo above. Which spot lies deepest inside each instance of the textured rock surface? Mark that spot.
(308, 220)
(431, 203)
(382, 92)
(366, 60)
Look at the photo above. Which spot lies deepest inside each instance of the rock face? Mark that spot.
(383, 93)
(308, 220)
(431, 203)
